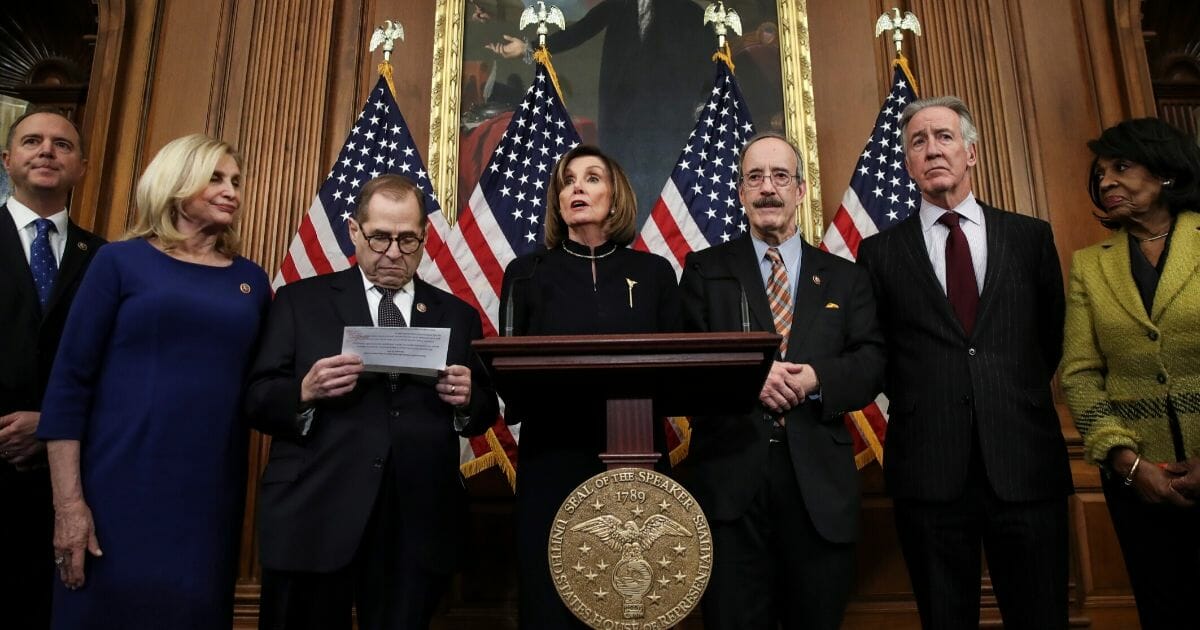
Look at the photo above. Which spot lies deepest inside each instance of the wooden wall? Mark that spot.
(283, 79)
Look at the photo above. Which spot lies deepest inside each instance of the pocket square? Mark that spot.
(832, 305)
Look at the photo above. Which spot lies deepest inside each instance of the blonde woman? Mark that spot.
(146, 446)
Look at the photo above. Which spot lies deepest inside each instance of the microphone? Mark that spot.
(745, 304)
(512, 290)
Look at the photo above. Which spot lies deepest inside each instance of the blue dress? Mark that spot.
(149, 379)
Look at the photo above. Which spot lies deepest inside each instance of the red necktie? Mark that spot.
(961, 288)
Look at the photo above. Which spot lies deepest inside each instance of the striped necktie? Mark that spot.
(780, 298)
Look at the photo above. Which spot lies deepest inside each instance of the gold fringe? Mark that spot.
(726, 55)
(385, 69)
(542, 56)
(902, 63)
(876, 448)
(497, 457)
(680, 452)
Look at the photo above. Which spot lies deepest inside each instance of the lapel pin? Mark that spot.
(630, 282)
(421, 308)
(245, 288)
(82, 246)
(817, 280)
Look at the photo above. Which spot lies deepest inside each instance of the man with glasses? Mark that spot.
(779, 484)
(361, 501)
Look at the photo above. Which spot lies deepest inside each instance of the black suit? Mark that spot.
(731, 462)
(322, 493)
(974, 443)
(29, 341)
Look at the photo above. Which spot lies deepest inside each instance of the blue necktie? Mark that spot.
(41, 260)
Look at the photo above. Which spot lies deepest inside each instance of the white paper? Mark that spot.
(405, 349)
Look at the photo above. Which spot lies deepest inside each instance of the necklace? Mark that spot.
(1154, 238)
(588, 256)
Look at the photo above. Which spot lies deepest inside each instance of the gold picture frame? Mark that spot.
(797, 90)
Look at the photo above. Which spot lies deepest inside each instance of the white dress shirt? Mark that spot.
(25, 219)
(972, 227)
(403, 299)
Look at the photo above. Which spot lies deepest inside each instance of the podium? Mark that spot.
(641, 376)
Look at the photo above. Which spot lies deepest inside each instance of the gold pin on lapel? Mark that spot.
(421, 308)
(833, 305)
(817, 280)
(82, 246)
(630, 282)
(245, 288)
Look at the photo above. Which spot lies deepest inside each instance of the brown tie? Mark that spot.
(780, 298)
(961, 288)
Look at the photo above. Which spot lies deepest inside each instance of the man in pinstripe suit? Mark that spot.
(971, 305)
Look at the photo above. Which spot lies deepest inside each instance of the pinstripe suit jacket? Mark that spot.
(945, 386)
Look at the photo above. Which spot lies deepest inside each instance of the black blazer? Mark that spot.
(944, 387)
(318, 490)
(29, 339)
(834, 330)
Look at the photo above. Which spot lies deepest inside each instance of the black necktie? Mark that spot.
(389, 315)
(961, 288)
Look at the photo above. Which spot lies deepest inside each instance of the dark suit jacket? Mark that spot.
(28, 343)
(944, 387)
(29, 338)
(834, 330)
(318, 490)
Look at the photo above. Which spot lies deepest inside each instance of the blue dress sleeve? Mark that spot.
(71, 389)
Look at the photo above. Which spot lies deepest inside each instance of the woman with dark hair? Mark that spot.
(1131, 358)
(586, 281)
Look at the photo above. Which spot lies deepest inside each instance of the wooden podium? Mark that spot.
(640, 376)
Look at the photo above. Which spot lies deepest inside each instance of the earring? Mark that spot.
(1167, 182)
(611, 212)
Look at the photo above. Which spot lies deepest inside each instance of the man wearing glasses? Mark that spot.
(779, 484)
(361, 501)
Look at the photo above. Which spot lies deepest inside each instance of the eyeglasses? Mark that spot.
(408, 243)
(779, 178)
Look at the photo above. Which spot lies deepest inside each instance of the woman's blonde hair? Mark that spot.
(180, 170)
(620, 226)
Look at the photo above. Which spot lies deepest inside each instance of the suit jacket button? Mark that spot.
(377, 464)
(1153, 335)
(971, 351)
(966, 399)
(1162, 378)
(395, 413)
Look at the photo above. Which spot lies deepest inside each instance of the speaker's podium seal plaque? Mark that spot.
(630, 549)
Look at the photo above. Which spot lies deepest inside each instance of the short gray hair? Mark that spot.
(966, 124)
(778, 136)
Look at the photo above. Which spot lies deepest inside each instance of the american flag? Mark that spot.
(503, 219)
(699, 204)
(379, 143)
(881, 195)
(504, 216)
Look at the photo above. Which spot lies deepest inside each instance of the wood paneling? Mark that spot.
(283, 80)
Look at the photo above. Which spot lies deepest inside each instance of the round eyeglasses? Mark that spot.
(407, 243)
(779, 179)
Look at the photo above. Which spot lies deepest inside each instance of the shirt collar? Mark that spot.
(370, 286)
(969, 209)
(23, 216)
(789, 250)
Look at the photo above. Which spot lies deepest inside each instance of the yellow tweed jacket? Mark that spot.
(1119, 367)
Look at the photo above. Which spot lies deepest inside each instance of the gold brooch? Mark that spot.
(245, 288)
